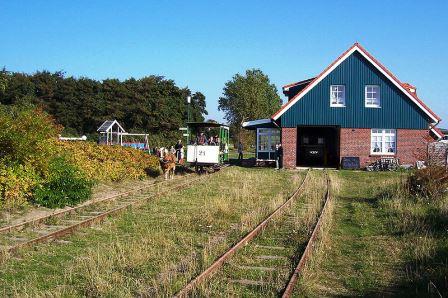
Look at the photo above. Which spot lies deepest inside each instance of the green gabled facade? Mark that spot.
(355, 109)
(396, 110)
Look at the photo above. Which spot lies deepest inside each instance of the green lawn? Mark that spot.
(380, 245)
(233, 154)
(377, 242)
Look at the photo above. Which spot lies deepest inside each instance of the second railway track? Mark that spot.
(269, 259)
(59, 224)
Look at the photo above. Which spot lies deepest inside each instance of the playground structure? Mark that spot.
(82, 138)
(112, 133)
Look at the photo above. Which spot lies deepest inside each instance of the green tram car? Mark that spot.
(212, 155)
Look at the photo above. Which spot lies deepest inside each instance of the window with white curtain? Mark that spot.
(383, 141)
(372, 96)
(337, 96)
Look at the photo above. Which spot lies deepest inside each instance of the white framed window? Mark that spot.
(372, 96)
(383, 141)
(267, 138)
(337, 96)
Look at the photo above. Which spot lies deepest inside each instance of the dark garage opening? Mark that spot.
(318, 146)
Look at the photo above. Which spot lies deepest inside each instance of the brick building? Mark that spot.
(354, 108)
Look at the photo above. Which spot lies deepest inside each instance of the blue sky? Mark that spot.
(202, 44)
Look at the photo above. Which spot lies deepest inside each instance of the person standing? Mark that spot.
(277, 165)
(278, 156)
(280, 153)
(179, 148)
(240, 151)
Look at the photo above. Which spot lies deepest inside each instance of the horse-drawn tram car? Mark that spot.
(207, 145)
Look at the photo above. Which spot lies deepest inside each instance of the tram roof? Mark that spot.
(205, 124)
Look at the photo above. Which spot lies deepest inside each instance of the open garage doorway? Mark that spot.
(318, 146)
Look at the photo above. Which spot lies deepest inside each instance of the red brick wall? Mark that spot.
(289, 144)
(355, 142)
(411, 145)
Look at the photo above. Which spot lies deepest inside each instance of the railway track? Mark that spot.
(274, 253)
(64, 222)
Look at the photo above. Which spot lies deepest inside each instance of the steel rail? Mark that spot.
(63, 212)
(97, 218)
(309, 247)
(249, 236)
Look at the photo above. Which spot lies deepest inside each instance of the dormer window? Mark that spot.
(372, 96)
(337, 96)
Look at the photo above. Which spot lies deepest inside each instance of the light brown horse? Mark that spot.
(168, 164)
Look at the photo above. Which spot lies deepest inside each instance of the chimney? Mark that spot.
(410, 88)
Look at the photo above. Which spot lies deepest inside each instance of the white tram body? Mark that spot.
(203, 154)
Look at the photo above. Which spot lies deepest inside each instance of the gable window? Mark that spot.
(337, 96)
(383, 141)
(372, 96)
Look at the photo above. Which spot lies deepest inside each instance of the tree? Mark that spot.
(3, 80)
(198, 107)
(247, 97)
(151, 104)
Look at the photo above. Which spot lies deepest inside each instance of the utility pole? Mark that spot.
(188, 118)
(188, 107)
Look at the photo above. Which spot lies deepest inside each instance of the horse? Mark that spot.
(168, 164)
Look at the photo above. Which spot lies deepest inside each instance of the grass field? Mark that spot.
(262, 268)
(378, 241)
(381, 242)
(233, 153)
(153, 250)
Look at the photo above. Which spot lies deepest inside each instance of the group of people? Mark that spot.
(176, 150)
(202, 139)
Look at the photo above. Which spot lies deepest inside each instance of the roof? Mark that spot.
(409, 87)
(357, 47)
(205, 124)
(437, 132)
(107, 125)
(259, 123)
(303, 82)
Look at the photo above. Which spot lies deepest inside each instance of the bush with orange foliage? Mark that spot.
(110, 163)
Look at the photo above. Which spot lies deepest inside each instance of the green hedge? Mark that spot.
(65, 186)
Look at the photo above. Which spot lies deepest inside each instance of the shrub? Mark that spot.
(32, 169)
(431, 182)
(110, 163)
(16, 185)
(27, 136)
(66, 185)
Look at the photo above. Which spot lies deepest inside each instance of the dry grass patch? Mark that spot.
(156, 249)
(262, 267)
